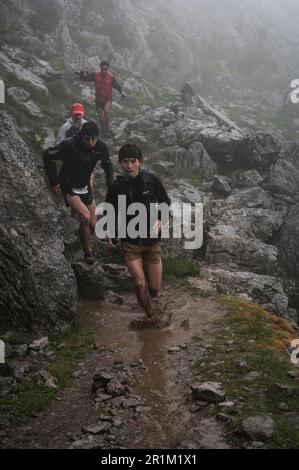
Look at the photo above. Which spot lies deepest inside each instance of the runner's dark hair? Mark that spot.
(130, 151)
(90, 129)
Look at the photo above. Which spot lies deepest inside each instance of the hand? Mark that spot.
(56, 189)
(111, 244)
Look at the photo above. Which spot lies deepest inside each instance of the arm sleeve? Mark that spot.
(111, 198)
(161, 193)
(107, 166)
(60, 136)
(50, 156)
(87, 76)
(116, 85)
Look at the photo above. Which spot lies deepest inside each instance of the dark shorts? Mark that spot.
(85, 198)
(101, 104)
(149, 254)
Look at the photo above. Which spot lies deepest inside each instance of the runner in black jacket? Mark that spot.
(146, 188)
(79, 155)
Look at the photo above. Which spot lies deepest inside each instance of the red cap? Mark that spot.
(77, 108)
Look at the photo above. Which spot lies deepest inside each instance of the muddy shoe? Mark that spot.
(141, 323)
(160, 310)
(162, 322)
(88, 258)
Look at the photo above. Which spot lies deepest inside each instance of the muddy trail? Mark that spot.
(147, 401)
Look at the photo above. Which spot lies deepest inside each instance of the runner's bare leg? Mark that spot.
(135, 268)
(85, 219)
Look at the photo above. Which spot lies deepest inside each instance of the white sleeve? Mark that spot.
(61, 135)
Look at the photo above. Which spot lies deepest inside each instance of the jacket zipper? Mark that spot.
(131, 194)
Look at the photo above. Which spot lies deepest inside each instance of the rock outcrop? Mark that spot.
(37, 285)
(289, 240)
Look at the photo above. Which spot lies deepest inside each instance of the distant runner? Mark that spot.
(73, 125)
(104, 82)
(144, 187)
(79, 155)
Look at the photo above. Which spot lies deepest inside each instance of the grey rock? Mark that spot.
(91, 279)
(23, 74)
(103, 397)
(289, 240)
(18, 94)
(257, 445)
(202, 285)
(252, 197)
(45, 378)
(115, 388)
(132, 403)
(265, 290)
(39, 344)
(116, 271)
(198, 160)
(163, 168)
(199, 405)
(223, 417)
(212, 392)
(227, 406)
(284, 175)
(174, 349)
(277, 390)
(221, 186)
(45, 138)
(259, 427)
(32, 109)
(101, 379)
(293, 374)
(247, 179)
(251, 376)
(283, 407)
(89, 443)
(95, 429)
(225, 246)
(19, 370)
(20, 350)
(30, 243)
(114, 298)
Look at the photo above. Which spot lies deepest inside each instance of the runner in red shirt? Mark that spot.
(104, 82)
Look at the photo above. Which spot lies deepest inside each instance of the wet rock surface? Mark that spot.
(30, 243)
(259, 428)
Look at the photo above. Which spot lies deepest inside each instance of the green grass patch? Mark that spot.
(260, 340)
(20, 401)
(179, 267)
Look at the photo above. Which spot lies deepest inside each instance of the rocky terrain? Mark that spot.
(245, 174)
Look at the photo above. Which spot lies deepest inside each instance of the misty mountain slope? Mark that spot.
(241, 55)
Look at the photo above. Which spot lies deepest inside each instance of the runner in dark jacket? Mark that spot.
(79, 155)
(104, 81)
(142, 187)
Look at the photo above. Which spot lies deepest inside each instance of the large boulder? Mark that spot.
(195, 159)
(284, 175)
(37, 285)
(265, 290)
(224, 245)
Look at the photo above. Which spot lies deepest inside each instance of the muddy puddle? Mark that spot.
(163, 352)
(162, 382)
